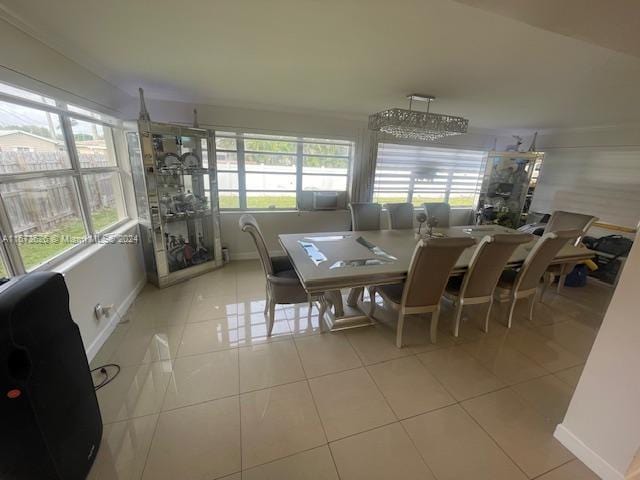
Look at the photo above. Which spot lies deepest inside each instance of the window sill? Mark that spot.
(76, 257)
(252, 212)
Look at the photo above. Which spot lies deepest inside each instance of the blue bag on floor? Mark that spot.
(577, 277)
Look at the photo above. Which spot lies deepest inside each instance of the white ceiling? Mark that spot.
(345, 57)
(613, 24)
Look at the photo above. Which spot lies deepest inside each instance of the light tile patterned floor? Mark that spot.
(205, 394)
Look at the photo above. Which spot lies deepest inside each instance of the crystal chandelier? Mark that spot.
(415, 125)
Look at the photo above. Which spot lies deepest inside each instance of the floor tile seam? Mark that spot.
(542, 367)
(187, 322)
(556, 468)
(515, 347)
(317, 409)
(495, 441)
(226, 349)
(532, 404)
(199, 403)
(433, 372)
(417, 355)
(284, 457)
(424, 460)
(153, 437)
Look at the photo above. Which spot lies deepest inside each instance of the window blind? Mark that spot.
(418, 174)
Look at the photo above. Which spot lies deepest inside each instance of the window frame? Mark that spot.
(241, 135)
(9, 250)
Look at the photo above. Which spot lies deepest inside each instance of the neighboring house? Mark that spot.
(19, 141)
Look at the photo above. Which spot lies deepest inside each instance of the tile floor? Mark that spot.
(204, 394)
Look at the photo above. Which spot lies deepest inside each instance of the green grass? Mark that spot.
(33, 254)
(228, 200)
(418, 201)
(103, 218)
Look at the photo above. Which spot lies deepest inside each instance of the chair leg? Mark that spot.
(434, 324)
(532, 302)
(547, 280)
(399, 330)
(458, 315)
(266, 302)
(310, 300)
(561, 280)
(512, 307)
(487, 317)
(272, 316)
(372, 298)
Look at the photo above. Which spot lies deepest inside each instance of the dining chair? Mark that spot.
(365, 216)
(485, 267)
(439, 210)
(283, 285)
(430, 267)
(514, 285)
(400, 215)
(561, 220)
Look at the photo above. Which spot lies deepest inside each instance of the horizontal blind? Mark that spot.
(420, 174)
(604, 182)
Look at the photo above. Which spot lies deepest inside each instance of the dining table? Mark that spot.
(328, 263)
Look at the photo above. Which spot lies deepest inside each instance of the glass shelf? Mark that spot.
(186, 216)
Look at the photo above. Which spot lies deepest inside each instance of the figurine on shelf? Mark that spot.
(187, 253)
(165, 205)
(431, 223)
(421, 218)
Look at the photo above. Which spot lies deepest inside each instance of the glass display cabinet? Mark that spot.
(507, 187)
(176, 194)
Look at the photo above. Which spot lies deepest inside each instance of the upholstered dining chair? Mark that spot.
(365, 216)
(561, 220)
(485, 267)
(439, 210)
(400, 215)
(429, 270)
(514, 285)
(283, 284)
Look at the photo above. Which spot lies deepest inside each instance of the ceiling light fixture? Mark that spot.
(416, 125)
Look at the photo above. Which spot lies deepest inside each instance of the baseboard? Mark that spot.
(120, 312)
(587, 456)
(253, 255)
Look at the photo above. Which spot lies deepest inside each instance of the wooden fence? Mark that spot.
(40, 205)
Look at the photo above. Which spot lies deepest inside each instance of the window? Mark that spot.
(417, 174)
(268, 171)
(60, 181)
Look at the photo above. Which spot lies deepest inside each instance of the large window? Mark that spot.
(60, 178)
(258, 172)
(417, 174)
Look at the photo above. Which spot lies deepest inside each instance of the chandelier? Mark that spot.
(416, 125)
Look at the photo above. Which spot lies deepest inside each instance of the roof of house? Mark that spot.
(4, 133)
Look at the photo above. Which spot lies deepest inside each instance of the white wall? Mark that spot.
(27, 62)
(602, 424)
(106, 274)
(593, 171)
